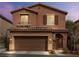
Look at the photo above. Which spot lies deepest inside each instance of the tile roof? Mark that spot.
(47, 7)
(4, 18)
(28, 8)
(23, 9)
(76, 21)
(37, 29)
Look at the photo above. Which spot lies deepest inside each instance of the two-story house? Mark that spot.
(38, 28)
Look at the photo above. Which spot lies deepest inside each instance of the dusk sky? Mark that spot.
(71, 7)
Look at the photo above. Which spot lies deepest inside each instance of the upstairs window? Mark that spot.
(50, 19)
(24, 19)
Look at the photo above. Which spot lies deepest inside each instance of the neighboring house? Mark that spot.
(76, 34)
(38, 28)
(4, 25)
(76, 26)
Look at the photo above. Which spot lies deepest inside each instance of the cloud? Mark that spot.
(6, 8)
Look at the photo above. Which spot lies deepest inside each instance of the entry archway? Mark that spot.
(59, 41)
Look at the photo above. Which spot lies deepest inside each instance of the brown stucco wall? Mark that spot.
(64, 41)
(32, 17)
(43, 11)
(37, 19)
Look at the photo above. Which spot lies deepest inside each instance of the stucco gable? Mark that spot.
(23, 9)
(53, 8)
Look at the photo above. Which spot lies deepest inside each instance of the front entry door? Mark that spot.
(59, 41)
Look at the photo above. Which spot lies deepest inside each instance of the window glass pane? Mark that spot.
(24, 19)
(50, 19)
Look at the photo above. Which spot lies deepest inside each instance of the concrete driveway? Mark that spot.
(34, 54)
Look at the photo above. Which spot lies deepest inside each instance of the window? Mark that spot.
(24, 19)
(50, 19)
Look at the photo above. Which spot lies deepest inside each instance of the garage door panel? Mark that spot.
(31, 43)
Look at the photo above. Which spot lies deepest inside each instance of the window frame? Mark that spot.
(52, 19)
(21, 19)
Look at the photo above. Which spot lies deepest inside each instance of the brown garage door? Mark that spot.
(30, 43)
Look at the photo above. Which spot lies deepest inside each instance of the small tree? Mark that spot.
(76, 35)
(70, 39)
(3, 40)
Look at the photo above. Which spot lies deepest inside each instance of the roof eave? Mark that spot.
(5, 19)
(22, 9)
(48, 7)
